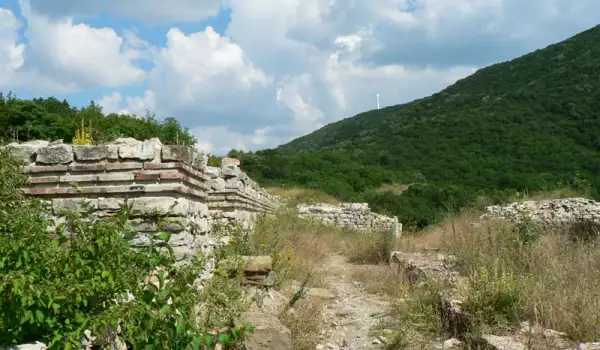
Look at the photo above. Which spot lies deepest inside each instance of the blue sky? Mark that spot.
(255, 74)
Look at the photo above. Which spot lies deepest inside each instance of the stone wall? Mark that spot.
(350, 215)
(150, 178)
(555, 211)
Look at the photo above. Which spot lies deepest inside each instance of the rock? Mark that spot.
(74, 205)
(55, 154)
(556, 338)
(25, 152)
(87, 153)
(589, 346)
(200, 160)
(453, 319)
(226, 162)
(320, 293)
(549, 212)
(449, 344)
(217, 184)
(212, 171)
(416, 267)
(494, 342)
(262, 263)
(177, 153)
(160, 205)
(31, 346)
(267, 301)
(270, 333)
(139, 150)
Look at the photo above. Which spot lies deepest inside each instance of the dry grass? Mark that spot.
(522, 272)
(396, 189)
(304, 322)
(296, 195)
(380, 279)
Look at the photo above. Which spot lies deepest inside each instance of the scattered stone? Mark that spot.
(589, 346)
(416, 267)
(270, 333)
(31, 346)
(494, 342)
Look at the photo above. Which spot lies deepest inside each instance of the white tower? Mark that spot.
(377, 101)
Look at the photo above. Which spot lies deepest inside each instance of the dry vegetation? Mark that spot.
(516, 272)
(294, 195)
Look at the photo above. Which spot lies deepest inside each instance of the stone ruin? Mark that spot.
(550, 212)
(149, 177)
(356, 216)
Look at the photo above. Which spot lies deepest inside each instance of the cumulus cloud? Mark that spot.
(282, 68)
(11, 52)
(62, 55)
(155, 11)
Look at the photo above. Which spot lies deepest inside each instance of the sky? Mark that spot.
(253, 74)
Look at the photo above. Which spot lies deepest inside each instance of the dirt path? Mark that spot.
(352, 316)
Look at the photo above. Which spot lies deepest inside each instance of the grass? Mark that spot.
(518, 272)
(295, 195)
(305, 323)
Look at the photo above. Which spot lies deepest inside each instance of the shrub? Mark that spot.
(583, 230)
(85, 275)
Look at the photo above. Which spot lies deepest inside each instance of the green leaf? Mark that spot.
(164, 310)
(39, 315)
(224, 339)
(209, 340)
(164, 236)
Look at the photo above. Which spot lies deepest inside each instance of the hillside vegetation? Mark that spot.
(531, 124)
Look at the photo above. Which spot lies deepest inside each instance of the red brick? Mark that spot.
(46, 169)
(44, 179)
(171, 165)
(147, 177)
(172, 175)
(86, 167)
(123, 166)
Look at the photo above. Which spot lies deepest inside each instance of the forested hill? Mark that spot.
(51, 119)
(529, 124)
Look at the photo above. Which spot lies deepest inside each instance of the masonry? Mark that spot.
(150, 179)
(350, 215)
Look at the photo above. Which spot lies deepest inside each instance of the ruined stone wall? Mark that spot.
(350, 215)
(553, 211)
(150, 178)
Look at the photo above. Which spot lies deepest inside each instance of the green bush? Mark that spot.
(85, 275)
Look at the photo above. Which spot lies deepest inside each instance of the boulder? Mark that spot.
(262, 263)
(270, 333)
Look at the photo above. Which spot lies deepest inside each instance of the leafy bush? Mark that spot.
(85, 275)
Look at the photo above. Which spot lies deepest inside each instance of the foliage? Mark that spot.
(82, 137)
(527, 125)
(51, 119)
(86, 275)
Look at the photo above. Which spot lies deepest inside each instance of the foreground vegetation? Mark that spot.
(527, 125)
(515, 273)
(58, 285)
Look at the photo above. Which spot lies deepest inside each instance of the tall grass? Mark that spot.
(525, 272)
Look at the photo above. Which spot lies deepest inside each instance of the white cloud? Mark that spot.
(282, 68)
(154, 11)
(62, 55)
(11, 53)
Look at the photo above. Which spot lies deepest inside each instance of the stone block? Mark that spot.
(174, 224)
(55, 154)
(230, 171)
(110, 203)
(212, 171)
(124, 166)
(226, 162)
(25, 152)
(141, 150)
(177, 153)
(87, 167)
(116, 177)
(217, 183)
(160, 205)
(100, 152)
(255, 264)
(76, 205)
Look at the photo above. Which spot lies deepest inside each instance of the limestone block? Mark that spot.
(231, 183)
(25, 152)
(141, 150)
(177, 153)
(161, 205)
(212, 171)
(76, 205)
(218, 183)
(230, 171)
(86, 153)
(227, 162)
(200, 160)
(110, 203)
(183, 238)
(55, 154)
(174, 224)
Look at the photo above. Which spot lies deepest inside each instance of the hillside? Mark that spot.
(530, 124)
